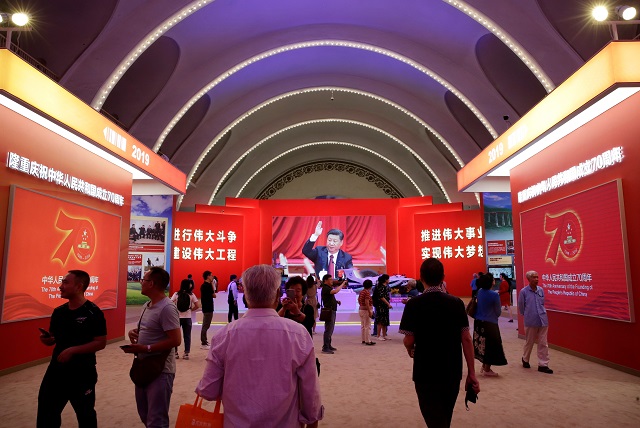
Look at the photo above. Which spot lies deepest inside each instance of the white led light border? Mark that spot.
(331, 120)
(509, 41)
(318, 143)
(70, 136)
(609, 101)
(311, 90)
(323, 43)
(132, 56)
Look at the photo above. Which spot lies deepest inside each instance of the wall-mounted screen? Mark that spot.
(357, 241)
(580, 253)
(47, 237)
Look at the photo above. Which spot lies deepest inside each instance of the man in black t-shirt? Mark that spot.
(207, 294)
(78, 330)
(436, 326)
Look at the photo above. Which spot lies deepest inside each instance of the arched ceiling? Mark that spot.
(270, 98)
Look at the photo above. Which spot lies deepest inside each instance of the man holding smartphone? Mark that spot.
(329, 301)
(78, 330)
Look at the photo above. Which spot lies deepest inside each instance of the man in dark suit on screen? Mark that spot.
(330, 258)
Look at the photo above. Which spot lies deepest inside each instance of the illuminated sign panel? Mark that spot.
(616, 68)
(456, 239)
(54, 101)
(46, 238)
(47, 173)
(567, 243)
(206, 242)
(606, 159)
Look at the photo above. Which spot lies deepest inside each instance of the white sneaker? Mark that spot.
(185, 356)
(381, 338)
(204, 347)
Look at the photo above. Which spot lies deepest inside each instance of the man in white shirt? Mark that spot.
(263, 367)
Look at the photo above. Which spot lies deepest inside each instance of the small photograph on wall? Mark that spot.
(498, 219)
(148, 240)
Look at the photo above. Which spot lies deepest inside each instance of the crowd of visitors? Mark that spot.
(266, 353)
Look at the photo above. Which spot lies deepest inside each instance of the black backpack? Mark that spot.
(184, 301)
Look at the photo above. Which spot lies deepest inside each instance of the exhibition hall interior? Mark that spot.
(215, 135)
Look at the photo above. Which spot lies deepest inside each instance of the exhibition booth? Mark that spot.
(571, 165)
(66, 192)
(67, 178)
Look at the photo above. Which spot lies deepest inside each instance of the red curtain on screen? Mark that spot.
(363, 236)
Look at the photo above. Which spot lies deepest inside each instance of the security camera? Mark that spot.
(505, 117)
(331, 97)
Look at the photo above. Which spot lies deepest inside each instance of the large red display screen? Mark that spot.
(47, 237)
(567, 243)
(364, 241)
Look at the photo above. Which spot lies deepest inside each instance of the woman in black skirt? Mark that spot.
(382, 303)
(487, 342)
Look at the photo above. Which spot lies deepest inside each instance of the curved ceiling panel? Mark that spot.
(508, 75)
(187, 124)
(468, 121)
(272, 117)
(138, 88)
(433, 78)
(333, 126)
(54, 27)
(330, 56)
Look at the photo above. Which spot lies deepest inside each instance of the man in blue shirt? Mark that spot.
(536, 323)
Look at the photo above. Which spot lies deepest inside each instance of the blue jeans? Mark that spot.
(186, 324)
(153, 401)
(328, 331)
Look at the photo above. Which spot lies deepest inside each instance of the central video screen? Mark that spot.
(359, 243)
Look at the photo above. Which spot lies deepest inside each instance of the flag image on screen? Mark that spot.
(46, 238)
(580, 253)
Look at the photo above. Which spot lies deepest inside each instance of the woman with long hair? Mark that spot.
(184, 295)
(382, 303)
(487, 343)
(312, 298)
(505, 294)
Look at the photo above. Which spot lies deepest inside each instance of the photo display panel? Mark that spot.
(580, 253)
(363, 243)
(47, 237)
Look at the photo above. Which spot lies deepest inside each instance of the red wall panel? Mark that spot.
(27, 139)
(613, 341)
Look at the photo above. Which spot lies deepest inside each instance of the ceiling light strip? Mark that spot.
(321, 121)
(511, 43)
(322, 43)
(110, 83)
(341, 143)
(311, 90)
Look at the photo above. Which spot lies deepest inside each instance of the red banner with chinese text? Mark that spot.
(566, 242)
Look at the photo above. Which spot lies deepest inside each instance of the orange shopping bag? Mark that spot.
(193, 415)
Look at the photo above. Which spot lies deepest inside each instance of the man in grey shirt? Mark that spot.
(159, 332)
(536, 323)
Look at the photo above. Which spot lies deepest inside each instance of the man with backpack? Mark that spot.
(185, 301)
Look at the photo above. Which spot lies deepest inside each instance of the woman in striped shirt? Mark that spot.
(366, 312)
